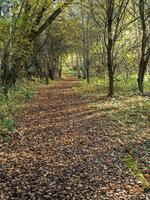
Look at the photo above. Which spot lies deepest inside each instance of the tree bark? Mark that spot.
(33, 34)
(145, 52)
(88, 75)
(110, 47)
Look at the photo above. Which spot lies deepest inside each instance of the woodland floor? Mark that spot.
(62, 149)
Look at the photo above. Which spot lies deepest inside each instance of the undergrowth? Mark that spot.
(17, 96)
(131, 164)
(129, 111)
(123, 85)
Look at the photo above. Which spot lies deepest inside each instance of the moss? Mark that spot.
(131, 164)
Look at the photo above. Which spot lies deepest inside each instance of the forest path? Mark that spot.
(61, 149)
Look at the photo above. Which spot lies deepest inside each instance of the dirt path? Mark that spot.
(62, 150)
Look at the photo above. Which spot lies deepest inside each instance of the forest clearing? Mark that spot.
(74, 100)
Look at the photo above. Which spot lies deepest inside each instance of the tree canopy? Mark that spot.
(104, 38)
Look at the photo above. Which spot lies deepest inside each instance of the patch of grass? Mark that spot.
(22, 92)
(132, 165)
(66, 72)
(96, 86)
(129, 112)
(123, 86)
(132, 114)
(141, 152)
(7, 124)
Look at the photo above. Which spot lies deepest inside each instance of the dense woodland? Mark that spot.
(75, 99)
(94, 38)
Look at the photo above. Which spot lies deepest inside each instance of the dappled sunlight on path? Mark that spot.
(62, 149)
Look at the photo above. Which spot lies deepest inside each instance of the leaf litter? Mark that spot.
(62, 149)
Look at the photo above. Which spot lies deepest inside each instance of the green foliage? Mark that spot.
(7, 124)
(96, 86)
(130, 113)
(123, 86)
(21, 93)
(127, 109)
(6, 127)
(131, 164)
(66, 72)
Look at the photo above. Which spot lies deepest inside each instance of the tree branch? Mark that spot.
(34, 33)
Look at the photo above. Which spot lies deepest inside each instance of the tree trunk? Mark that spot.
(110, 47)
(9, 79)
(46, 80)
(111, 80)
(60, 67)
(50, 74)
(142, 66)
(145, 54)
(141, 74)
(88, 75)
(9, 74)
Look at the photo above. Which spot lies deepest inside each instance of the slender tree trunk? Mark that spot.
(47, 76)
(145, 54)
(9, 74)
(111, 81)
(88, 75)
(9, 79)
(84, 73)
(50, 74)
(141, 74)
(110, 47)
(60, 67)
(78, 65)
(60, 72)
(87, 65)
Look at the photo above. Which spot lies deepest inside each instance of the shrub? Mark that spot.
(22, 92)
